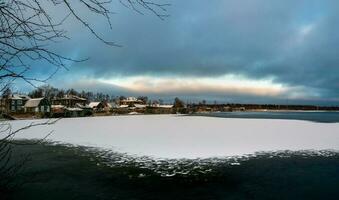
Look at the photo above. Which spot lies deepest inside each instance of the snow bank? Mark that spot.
(171, 136)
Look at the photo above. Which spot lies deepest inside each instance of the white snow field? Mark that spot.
(172, 136)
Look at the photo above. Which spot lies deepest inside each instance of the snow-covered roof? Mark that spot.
(133, 113)
(31, 103)
(18, 97)
(58, 106)
(74, 109)
(78, 105)
(108, 105)
(161, 106)
(123, 106)
(165, 106)
(113, 105)
(14, 97)
(131, 99)
(94, 104)
(140, 105)
(73, 97)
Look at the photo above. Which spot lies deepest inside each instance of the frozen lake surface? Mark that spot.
(172, 136)
(314, 116)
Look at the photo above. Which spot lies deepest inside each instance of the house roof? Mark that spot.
(94, 104)
(78, 105)
(123, 106)
(18, 97)
(58, 106)
(31, 103)
(165, 106)
(72, 97)
(74, 109)
(131, 99)
(108, 105)
(140, 105)
(113, 105)
(14, 97)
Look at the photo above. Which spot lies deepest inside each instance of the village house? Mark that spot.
(140, 108)
(13, 103)
(71, 106)
(113, 105)
(97, 106)
(38, 105)
(101, 106)
(159, 109)
(87, 110)
(131, 101)
(58, 111)
(69, 101)
(78, 111)
(74, 112)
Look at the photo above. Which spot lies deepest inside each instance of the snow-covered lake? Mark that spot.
(172, 136)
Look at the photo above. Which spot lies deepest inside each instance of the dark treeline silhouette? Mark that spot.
(237, 106)
(50, 93)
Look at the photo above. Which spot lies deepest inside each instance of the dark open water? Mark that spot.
(58, 172)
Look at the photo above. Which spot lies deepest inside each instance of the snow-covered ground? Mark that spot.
(171, 136)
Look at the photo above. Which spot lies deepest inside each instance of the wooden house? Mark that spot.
(13, 103)
(38, 105)
(69, 101)
(131, 101)
(97, 106)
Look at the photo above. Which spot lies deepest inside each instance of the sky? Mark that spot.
(249, 51)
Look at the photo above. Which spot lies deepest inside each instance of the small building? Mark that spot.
(239, 109)
(166, 106)
(78, 111)
(74, 112)
(58, 111)
(69, 101)
(97, 106)
(113, 105)
(131, 101)
(38, 105)
(107, 106)
(139, 107)
(227, 109)
(87, 110)
(13, 103)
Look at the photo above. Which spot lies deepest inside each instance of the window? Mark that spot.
(13, 102)
(41, 108)
(19, 102)
(13, 108)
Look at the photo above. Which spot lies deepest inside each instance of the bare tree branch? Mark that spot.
(9, 168)
(27, 30)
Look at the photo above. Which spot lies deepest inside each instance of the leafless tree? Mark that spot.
(10, 167)
(27, 30)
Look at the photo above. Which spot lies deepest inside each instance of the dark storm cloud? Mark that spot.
(293, 42)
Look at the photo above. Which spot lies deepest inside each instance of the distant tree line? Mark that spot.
(51, 92)
(230, 106)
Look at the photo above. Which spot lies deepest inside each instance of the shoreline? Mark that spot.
(189, 114)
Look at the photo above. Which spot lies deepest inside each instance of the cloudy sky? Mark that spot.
(258, 51)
